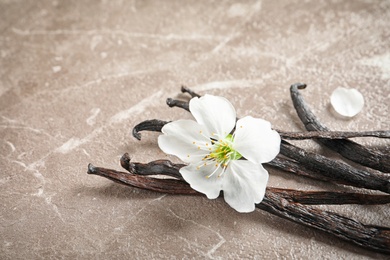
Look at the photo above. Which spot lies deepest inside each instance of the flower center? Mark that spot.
(219, 153)
(223, 151)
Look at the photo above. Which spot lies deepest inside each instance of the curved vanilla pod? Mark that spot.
(353, 151)
(148, 125)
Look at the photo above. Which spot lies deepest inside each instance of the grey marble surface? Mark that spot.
(76, 76)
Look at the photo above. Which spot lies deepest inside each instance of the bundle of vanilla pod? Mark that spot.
(290, 204)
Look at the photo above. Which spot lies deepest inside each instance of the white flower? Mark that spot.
(347, 102)
(219, 160)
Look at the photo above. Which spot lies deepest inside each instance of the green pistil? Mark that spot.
(223, 152)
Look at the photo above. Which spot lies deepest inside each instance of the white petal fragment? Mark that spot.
(216, 113)
(198, 180)
(255, 140)
(347, 102)
(185, 139)
(244, 185)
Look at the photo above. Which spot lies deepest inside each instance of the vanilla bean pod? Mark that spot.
(153, 125)
(330, 198)
(178, 103)
(291, 166)
(170, 186)
(351, 150)
(157, 167)
(336, 170)
(184, 89)
(332, 134)
(149, 125)
(370, 237)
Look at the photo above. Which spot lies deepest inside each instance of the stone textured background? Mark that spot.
(76, 76)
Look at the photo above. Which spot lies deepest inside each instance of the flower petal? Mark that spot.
(244, 185)
(216, 113)
(197, 178)
(255, 140)
(347, 102)
(185, 139)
